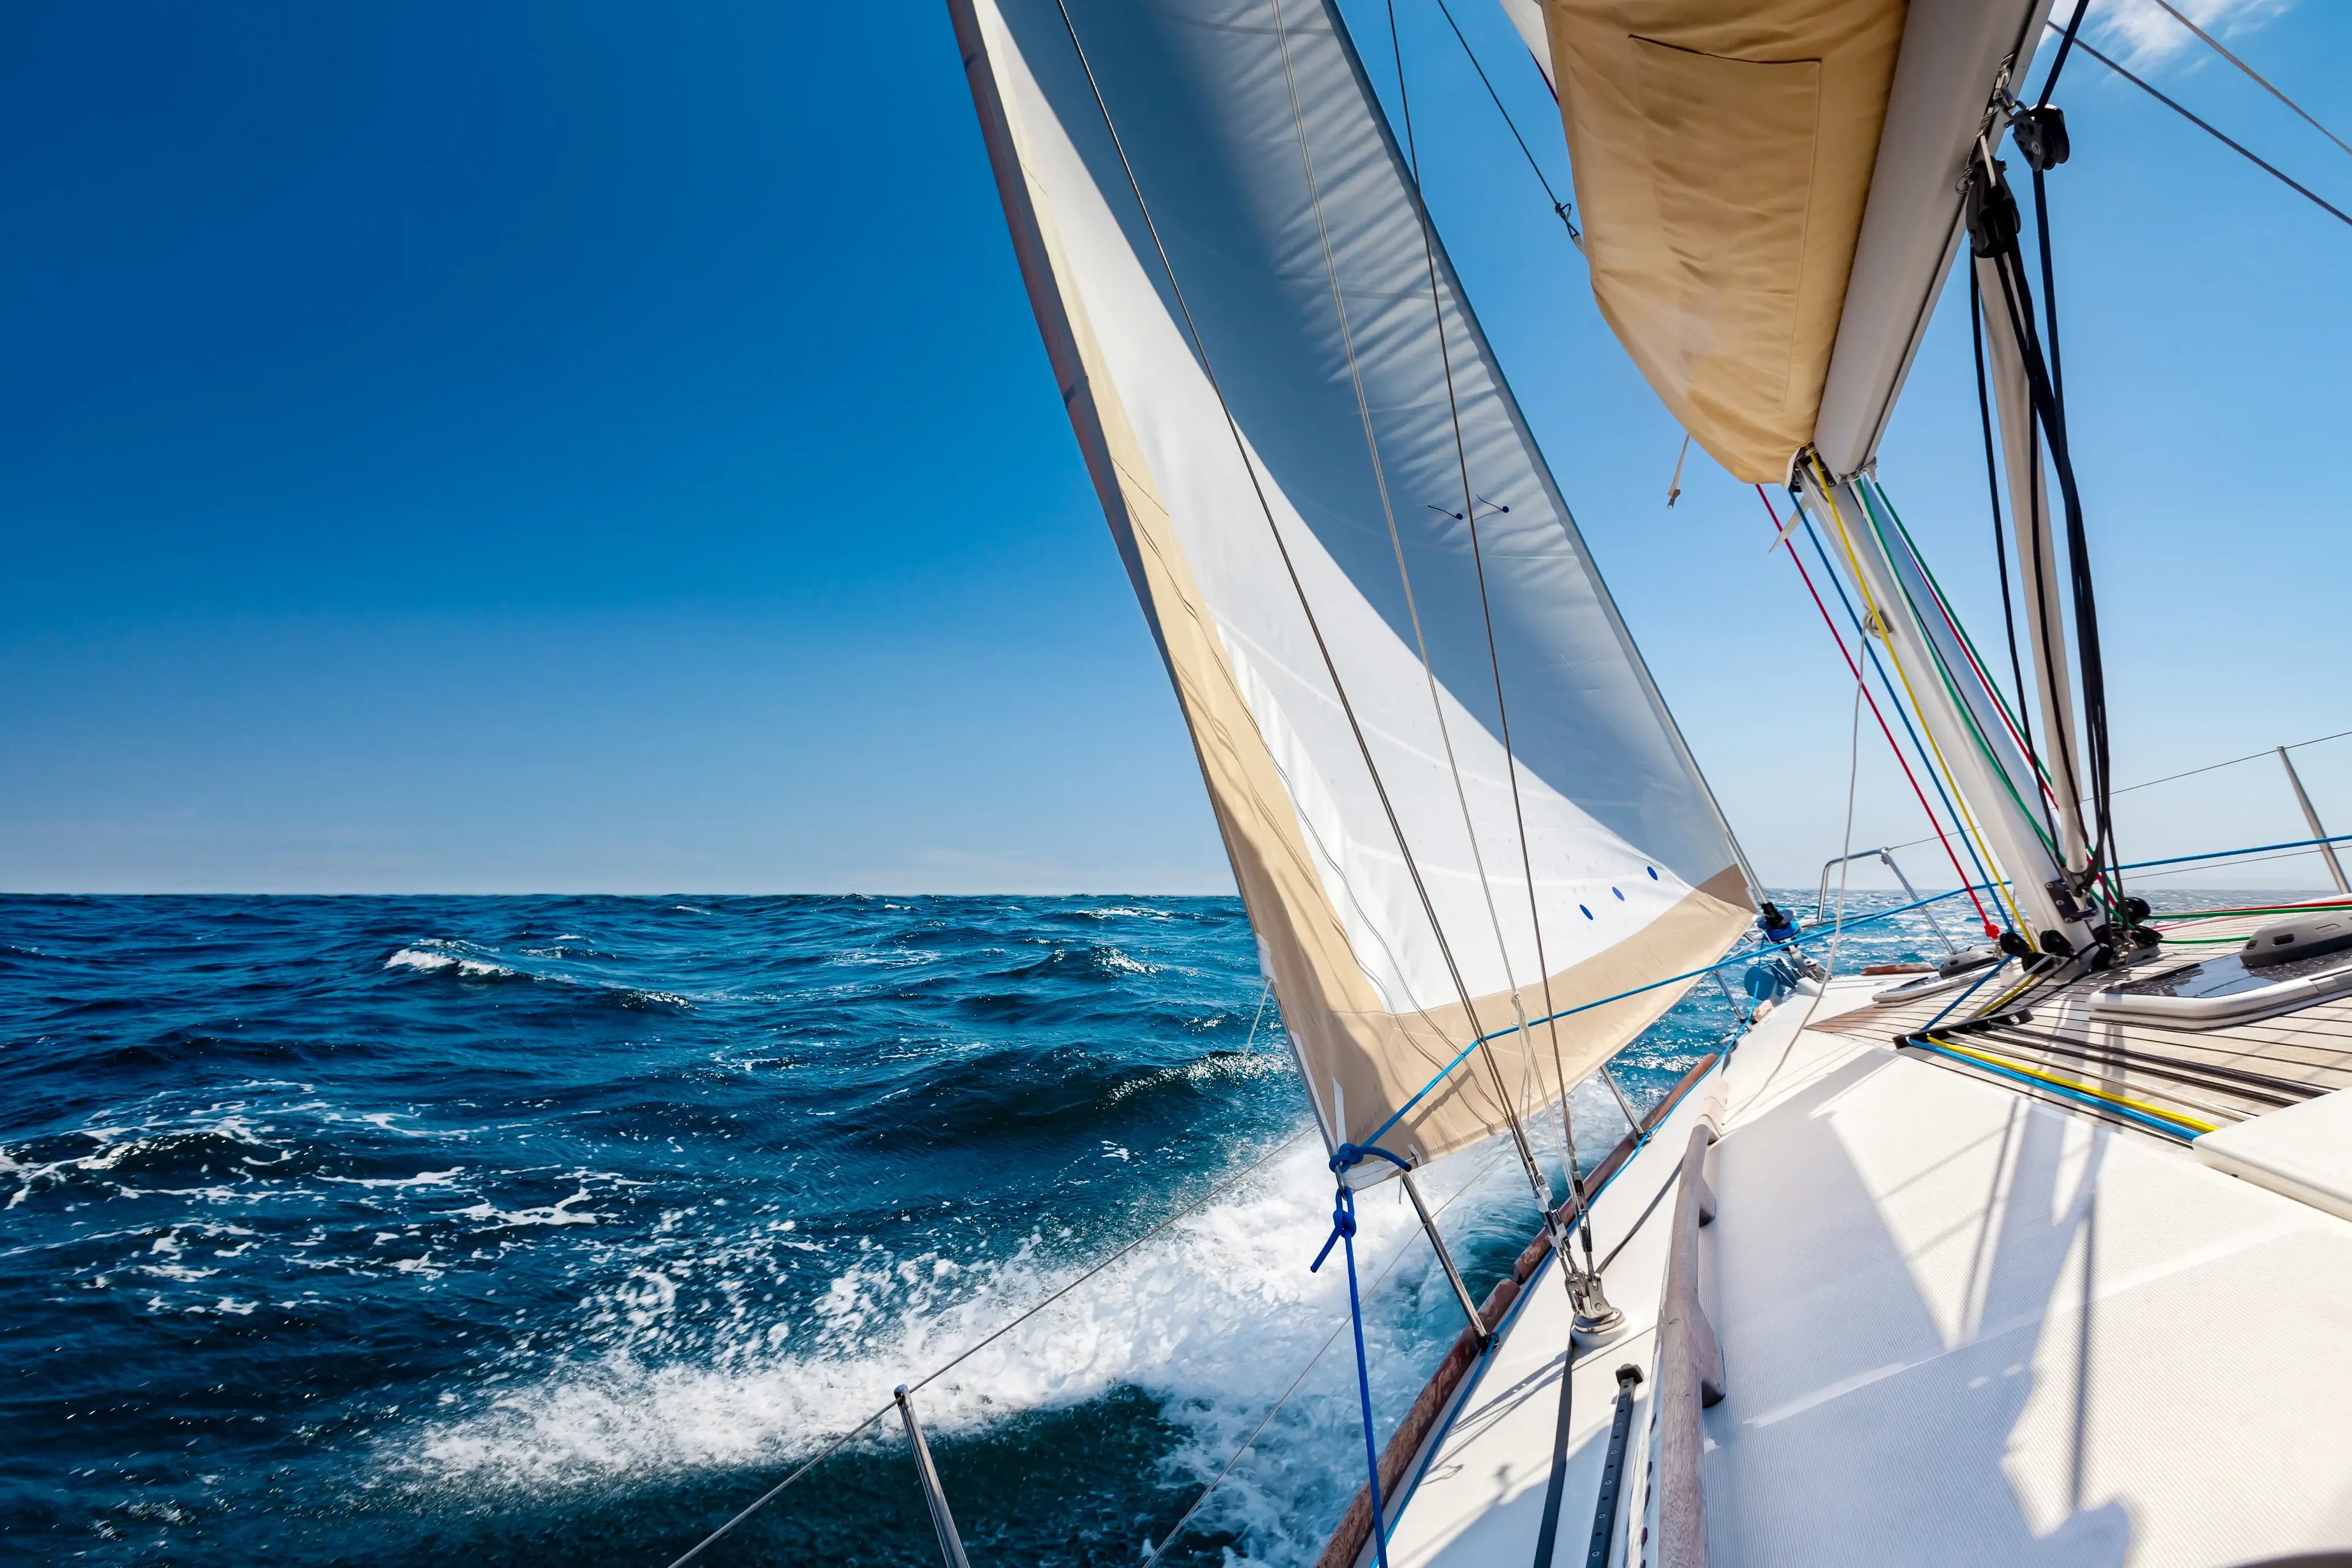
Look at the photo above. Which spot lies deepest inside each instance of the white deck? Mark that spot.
(1960, 1325)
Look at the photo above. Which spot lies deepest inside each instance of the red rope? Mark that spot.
(1990, 930)
(1961, 639)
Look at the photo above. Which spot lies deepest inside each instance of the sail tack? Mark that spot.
(1355, 563)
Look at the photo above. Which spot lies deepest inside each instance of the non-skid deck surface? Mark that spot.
(1961, 1326)
(1477, 1500)
(2199, 1078)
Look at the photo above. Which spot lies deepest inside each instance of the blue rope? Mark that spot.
(2105, 1107)
(1806, 935)
(2249, 849)
(1343, 1234)
(1901, 710)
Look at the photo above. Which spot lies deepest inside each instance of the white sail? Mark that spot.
(1279, 407)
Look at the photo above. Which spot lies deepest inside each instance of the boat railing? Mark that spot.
(1690, 1369)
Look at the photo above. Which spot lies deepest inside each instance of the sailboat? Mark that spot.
(2043, 1255)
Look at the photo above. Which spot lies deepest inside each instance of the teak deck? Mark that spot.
(2202, 1078)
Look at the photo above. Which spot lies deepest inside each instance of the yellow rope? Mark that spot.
(2073, 1085)
(1959, 797)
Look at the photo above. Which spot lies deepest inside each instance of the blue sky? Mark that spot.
(606, 447)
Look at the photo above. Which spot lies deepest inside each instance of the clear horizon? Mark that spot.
(462, 450)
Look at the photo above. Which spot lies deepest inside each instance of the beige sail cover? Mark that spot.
(1290, 226)
(1723, 156)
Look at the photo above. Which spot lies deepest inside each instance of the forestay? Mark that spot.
(1268, 363)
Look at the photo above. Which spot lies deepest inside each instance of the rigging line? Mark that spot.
(844, 1440)
(2139, 1111)
(2259, 859)
(2094, 674)
(2178, 916)
(1901, 761)
(1746, 955)
(2248, 850)
(777, 1490)
(1874, 496)
(1470, 518)
(1535, 1178)
(1955, 687)
(1259, 1017)
(2191, 773)
(1854, 563)
(1852, 776)
(1845, 852)
(2239, 147)
(1894, 698)
(1963, 704)
(2000, 542)
(2066, 44)
(1282, 546)
(1219, 1190)
(1177, 1529)
(2221, 49)
(1575, 237)
(2184, 1069)
(2050, 415)
(2094, 680)
(1396, 542)
(1967, 645)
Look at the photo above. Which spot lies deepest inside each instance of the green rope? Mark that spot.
(1959, 699)
(1944, 601)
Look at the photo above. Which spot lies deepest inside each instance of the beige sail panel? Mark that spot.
(1723, 156)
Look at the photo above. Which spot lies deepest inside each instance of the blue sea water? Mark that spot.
(540, 1230)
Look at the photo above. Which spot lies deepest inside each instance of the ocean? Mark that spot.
(555, 1231)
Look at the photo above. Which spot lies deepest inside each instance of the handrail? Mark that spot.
(1886, 858)
(1690, 1369)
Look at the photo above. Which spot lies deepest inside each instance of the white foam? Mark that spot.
(553, 1214)
(1212, 1319)
(421, 1178)
(433, 956)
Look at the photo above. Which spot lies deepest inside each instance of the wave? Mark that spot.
(156, 1155)
(432, 958)
(467, 961)
(1200, 1320)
